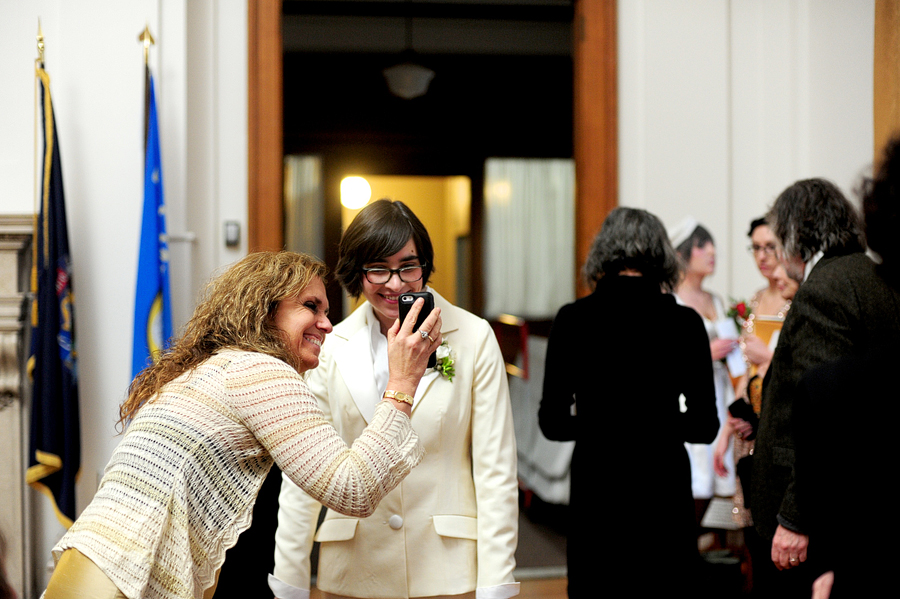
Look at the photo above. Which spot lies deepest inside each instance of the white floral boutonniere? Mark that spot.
(444, 364)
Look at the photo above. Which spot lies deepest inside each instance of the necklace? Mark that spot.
(754, 303)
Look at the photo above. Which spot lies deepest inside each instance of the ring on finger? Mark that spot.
(424, 334)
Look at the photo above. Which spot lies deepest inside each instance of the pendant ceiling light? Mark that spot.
(408, 79)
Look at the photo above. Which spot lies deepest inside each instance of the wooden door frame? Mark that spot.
(595, 124)
(886, 72)
(265, 118)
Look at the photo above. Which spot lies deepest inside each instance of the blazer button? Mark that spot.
(395, 522)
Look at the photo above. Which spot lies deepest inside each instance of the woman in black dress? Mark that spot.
(622, 365)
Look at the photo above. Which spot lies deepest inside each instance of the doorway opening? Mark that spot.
(443, 204)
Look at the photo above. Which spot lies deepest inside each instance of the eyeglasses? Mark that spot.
(407, 274)
(769, 249)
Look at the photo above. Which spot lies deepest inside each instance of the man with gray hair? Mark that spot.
(838, 311)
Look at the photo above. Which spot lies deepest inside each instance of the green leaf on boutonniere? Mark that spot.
(444, 364)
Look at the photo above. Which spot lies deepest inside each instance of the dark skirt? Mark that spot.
(632, 526)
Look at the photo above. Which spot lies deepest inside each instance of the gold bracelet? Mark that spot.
(399, 396)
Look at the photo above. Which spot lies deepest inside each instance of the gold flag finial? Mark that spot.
(40, 42)
(146, 38)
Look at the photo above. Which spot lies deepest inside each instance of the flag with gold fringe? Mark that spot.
(152, 304)
(55, 440)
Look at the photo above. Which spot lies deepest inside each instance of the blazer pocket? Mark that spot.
(337, 529)
(460, 527)
(783, 456)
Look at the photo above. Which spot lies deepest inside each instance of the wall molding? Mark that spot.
(15, 259)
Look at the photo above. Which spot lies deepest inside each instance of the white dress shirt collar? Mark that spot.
(811, 264)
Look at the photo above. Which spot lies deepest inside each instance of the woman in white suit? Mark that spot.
(449, 529)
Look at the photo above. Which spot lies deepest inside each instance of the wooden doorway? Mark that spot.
(595, 124)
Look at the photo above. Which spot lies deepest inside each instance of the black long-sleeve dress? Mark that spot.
(623, 356)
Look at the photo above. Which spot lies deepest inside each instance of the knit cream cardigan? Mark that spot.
(180, 486)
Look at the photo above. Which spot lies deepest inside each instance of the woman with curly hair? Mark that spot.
(205, 423)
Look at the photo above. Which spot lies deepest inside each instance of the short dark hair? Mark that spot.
(813, 215)
(698, 238)
(757, 222)
(880, 203)
(379, 231)
(635, 239)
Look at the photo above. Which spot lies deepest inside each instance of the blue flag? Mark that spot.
(54, 455)
(152, 303)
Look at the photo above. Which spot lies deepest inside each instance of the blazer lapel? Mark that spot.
(449, 324)
(354, 362)
(354, 358)
(424, 383)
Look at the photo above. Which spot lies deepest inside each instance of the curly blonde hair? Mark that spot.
(237, 311)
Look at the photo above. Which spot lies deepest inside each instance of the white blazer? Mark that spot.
(452, 525)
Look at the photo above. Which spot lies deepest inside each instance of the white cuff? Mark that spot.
(500, 591)
(283, 590)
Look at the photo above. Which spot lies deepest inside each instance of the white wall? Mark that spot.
(96, 67)
(723, 104)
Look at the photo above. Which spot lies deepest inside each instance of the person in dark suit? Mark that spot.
(842, 400)
(611, 386)
(840, 310)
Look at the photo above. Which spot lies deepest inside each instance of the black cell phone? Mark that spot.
(741, 409)
(406, 302)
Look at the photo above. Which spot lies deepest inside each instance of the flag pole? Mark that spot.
(153, 318)
(38, 64)
(40, 42)
(54, 440)
(146, 39)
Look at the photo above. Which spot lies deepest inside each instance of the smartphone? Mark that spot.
(741, 409)
(406, 302)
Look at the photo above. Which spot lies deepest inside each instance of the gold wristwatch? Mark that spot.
(399, 396)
